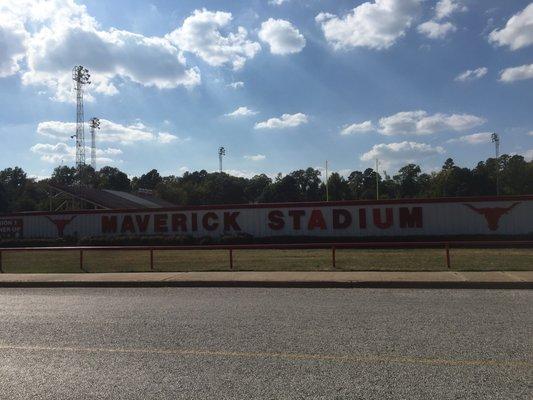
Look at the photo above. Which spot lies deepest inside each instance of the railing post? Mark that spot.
(1, 268)
(230, 258)
(81, 261)
(151, 259)
(333, 260)
(448, 264)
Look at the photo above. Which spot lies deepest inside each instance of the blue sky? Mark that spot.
(281, 86)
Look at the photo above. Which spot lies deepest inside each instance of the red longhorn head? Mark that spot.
(492, 214)
(61, 224)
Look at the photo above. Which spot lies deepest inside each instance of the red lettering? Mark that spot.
(275, 219)
(316, 220)
(230, 221)
(160, 223)
(296, 218)
(376, 214)
(194, 222)
(411, 219)
(205, 221)
(362, 218)
(109, 224)
(179, 221)
(341, 218)
(142, 222)
(127, 225)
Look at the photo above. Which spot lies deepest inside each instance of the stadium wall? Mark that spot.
(509, 215)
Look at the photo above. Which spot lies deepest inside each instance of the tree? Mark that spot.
(147, 181)
(113, 178)
(308, 184)
(284, 189)
(4, 200)
(256, 186)
(63, 176)
(355, 184)
(407, 180)
(338, 187)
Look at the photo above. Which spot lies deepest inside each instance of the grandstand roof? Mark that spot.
(112, 199)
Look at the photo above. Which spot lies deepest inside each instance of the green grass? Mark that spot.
(270, 260)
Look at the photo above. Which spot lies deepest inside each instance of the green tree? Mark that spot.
(308, 184)
(407, 180)
(114, 179)
(256, 186)
(338, 187)
(63, 176)
(147, 181)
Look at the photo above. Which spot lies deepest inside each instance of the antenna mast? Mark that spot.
(94, 124)
(80, 76)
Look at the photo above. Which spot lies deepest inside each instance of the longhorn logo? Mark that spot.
(61, 224)
(492, 214)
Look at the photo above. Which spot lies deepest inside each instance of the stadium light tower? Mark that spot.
(221, 153)
(80, 76)
(94, 124)
(496, 140)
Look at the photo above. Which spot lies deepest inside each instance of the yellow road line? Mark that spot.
(285, 356)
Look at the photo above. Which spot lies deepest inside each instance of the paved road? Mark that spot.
(265, 343)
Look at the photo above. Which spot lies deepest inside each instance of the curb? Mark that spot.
(273, 284)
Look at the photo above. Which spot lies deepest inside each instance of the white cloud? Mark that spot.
(107, 54)
(64, 35)
(518, 31)
(277, 2)
(236, 85)
(377, 24)
(476, 138)
(281, 36)
(241, 112)
(445, 8)
(436, 30)
(111, 132)
(257, 157)
(240, 173)
(528, 155)
(471, 74)
(530, 133)
(517, 73)
(286, 121)
(400, 153)
(61, 152)
(200, 34)
(13, 37)
(165, 137)
(353, 129)
(420, 123)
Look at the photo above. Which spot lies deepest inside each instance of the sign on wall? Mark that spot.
(434, 217)
(11, 228)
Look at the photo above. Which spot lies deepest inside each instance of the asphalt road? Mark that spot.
(224, 343)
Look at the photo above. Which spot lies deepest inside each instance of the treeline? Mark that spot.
(18, 192)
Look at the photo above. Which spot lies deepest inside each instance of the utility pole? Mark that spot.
(94, 124)
(221, 153)
(327, 181)
(377, 179)
(80, 76)
(496, 140)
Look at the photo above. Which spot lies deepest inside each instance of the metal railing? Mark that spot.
(333, 247)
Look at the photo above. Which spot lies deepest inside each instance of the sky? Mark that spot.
(281, 84)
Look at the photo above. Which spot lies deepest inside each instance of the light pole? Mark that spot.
(496, 140)
(327, 186)
(377, 179)
(221, 153)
